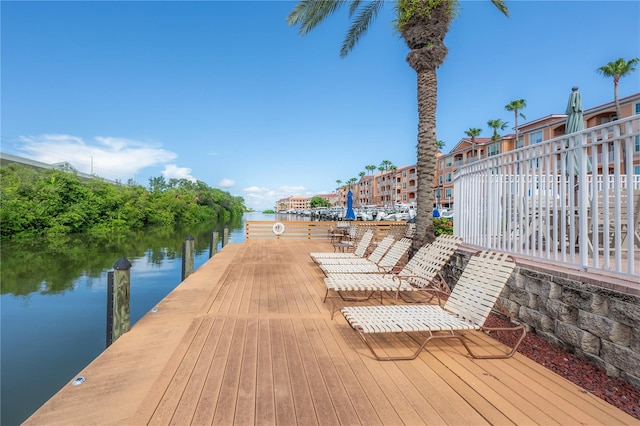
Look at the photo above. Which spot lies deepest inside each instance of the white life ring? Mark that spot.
(278, 228)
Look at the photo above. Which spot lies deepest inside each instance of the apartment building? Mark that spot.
(293, 203)
(400, 185)
(529, 133)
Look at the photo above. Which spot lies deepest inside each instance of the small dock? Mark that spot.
(246, 339)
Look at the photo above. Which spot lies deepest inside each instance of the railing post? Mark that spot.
(187, 257)
(225, 236)
(213, 244)
(118, 296)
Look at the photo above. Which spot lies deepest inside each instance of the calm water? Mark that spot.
(53, 303)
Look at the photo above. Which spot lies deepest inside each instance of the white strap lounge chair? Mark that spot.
(386, 264)
(422, 272)
(359, 252)
(467, 308)
(375, 256)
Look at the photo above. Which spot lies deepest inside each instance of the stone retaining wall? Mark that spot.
(595, 323)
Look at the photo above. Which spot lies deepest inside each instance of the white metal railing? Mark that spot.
(556, 200)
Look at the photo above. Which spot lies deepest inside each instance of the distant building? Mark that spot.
(400, 185)
(6, 159)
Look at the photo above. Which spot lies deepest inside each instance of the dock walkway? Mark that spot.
(247, 339)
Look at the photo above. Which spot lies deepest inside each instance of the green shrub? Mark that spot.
(443, 226)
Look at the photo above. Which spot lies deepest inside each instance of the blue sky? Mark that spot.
(229, 94)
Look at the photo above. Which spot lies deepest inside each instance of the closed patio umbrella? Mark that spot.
(575, 123)
(350, 215)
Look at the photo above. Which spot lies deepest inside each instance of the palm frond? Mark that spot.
(360, 25)
(501, 5)
(309, 13)
(353, 7)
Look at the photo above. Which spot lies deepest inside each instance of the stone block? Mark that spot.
(621, 357)
(536, 275)
(605, 328)
(569, 334)
(634, 344)
(553, 339)
(634, 380)
(511, 306)
(533, 301)
(555, 290)
(520, 280)
(546, 323)
(625, 312)
(600, 304)
(592, 359)
(596, 324)
(560, 311)
(577, 298)
(530, 316)
(520, 296)
(590, 343)
(612, 371)
(533, 286)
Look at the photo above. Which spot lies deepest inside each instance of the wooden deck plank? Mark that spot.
(247, 339)
(302, 396)
(282, 382)
(467, 391)
(320, 395)
(213, 384)
(354, 392)
(244, 301)
(340, 397)
(245, 409)
(515, 404)
(265, 384)
(227, 399)
(173, 395)
(580, 404)
(490, 398)
(379, 373)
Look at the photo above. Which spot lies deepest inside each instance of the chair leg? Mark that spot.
(397, 358)
(519, 328)
(450, 335)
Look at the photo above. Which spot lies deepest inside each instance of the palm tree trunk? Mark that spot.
(426, 166)
(615, 98)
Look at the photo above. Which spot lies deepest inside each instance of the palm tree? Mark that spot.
(423, 24)
(516, 106)
(618, 69)
(386, 165)
(495, 125)
(370, 168)
(472, 133)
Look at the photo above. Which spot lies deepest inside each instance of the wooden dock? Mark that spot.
(247, 339)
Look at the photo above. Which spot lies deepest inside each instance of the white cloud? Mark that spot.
(108, 157)
(292, 190)
(227, 183)
(173, 171)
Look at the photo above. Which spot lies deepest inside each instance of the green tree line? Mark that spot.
(54, 202)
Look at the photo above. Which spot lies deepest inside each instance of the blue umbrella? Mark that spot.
(350, 215)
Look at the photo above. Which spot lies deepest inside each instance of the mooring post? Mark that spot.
(213, 244)
(225, 236)
(118, 296)
(187, 257)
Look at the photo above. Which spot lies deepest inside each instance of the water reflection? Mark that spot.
(53, 302)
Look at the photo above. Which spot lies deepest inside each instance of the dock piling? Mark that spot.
(187, 257)
(118, 297)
